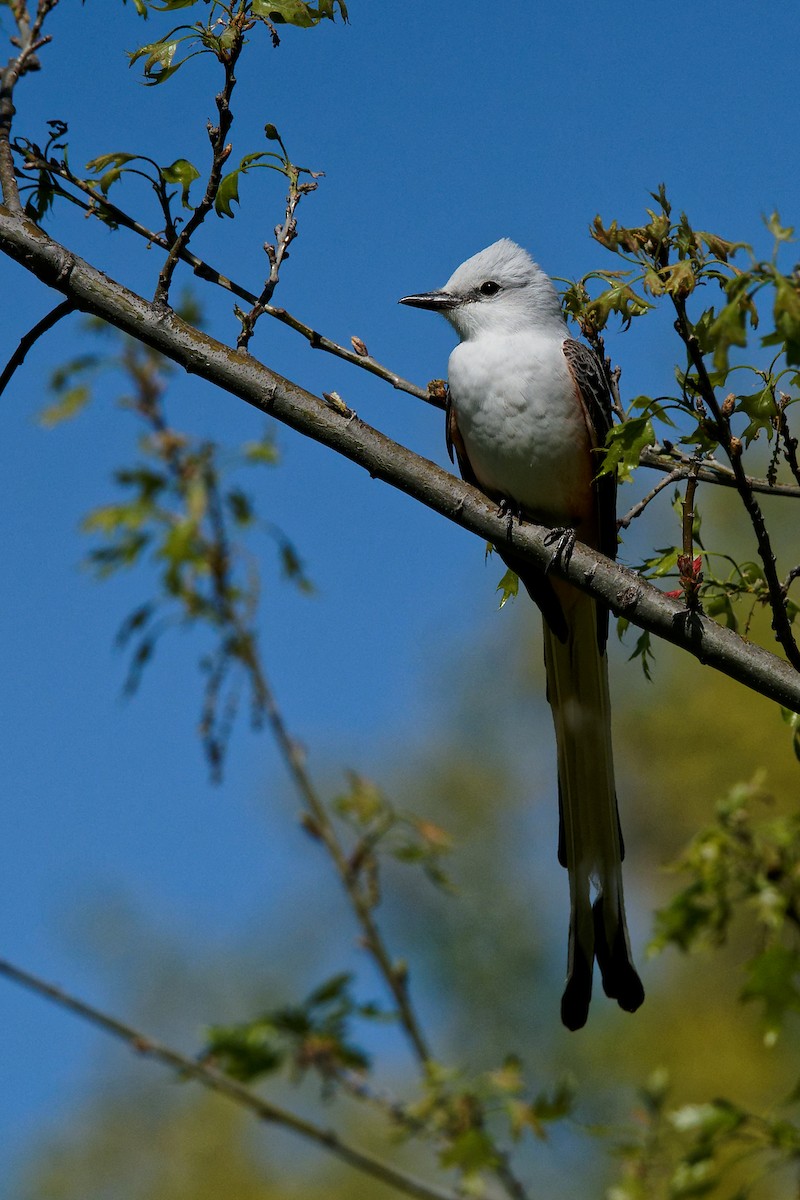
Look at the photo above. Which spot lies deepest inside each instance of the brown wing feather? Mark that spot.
(594, 396)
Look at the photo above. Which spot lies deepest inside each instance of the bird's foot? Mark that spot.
(564, 541)
(509, 509)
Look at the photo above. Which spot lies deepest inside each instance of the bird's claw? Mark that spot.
(509, 509)
(564, 541)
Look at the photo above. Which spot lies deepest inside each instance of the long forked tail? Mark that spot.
(590, 840)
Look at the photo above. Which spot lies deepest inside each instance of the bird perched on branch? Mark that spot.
(528, 407)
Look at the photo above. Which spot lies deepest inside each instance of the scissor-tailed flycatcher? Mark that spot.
(527, 407)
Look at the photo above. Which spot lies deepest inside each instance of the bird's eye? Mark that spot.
(489, 288)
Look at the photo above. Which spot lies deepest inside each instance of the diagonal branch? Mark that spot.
(225, 1085)
(625, 592)
(30, 338)
(781, 624)
(319, 824)
(204, 270)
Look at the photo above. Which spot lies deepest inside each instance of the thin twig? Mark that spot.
(284, 236)
(790, 578)
(357, 1086)
(687, 507)
(30, 338)
(789, 442)
(664, 458)
(638, 509)
(319, 824)
(218, 1081)
(733, 449)
(209, 274)
(220, 153)
(29, 39)
(318, 342)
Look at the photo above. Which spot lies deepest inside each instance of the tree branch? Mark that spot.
(210, 274)
(30, 338)
(638, 509)
(29, 39)
(396, 979)
(669, 458)
(220, 153)
(625, 592)
(733, 448)
(218, 1081)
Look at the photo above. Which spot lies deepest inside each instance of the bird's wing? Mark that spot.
(594, 396)
(455, 443)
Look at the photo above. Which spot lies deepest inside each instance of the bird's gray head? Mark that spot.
(500, 290)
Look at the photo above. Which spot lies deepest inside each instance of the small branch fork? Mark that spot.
(221, 151)
(225, 1085)
(284, 236)
(210, 274)
(733, 449)
(29, 39)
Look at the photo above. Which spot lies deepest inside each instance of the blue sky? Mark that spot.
(438, 133)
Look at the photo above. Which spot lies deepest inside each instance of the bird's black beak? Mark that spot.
(435, 301)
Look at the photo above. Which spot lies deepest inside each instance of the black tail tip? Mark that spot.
(578, 990)
(621, 981)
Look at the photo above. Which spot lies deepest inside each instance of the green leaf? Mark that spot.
(115, 163)
(726, 330)
(171, 5)
(335, 988)
(227, 194)
(786, 312)
(720, 607)
(762, 411)
(781, 233)
(643, 651)
(619, 298)
(289, 12)
(624, 444)
(66, 407)
(508, 586)
(159, 64)
(261, 452)
(184, 173)
(793, 721)
(679, 278)
(719, 247)
(470, 1152)
(772, 978)
(241, 506)
(228, 191)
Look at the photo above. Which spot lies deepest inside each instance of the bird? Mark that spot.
(528, 407)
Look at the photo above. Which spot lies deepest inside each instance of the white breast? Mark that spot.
(524, 431)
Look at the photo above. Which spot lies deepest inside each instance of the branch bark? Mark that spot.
(238, 373)
(218, 1081)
